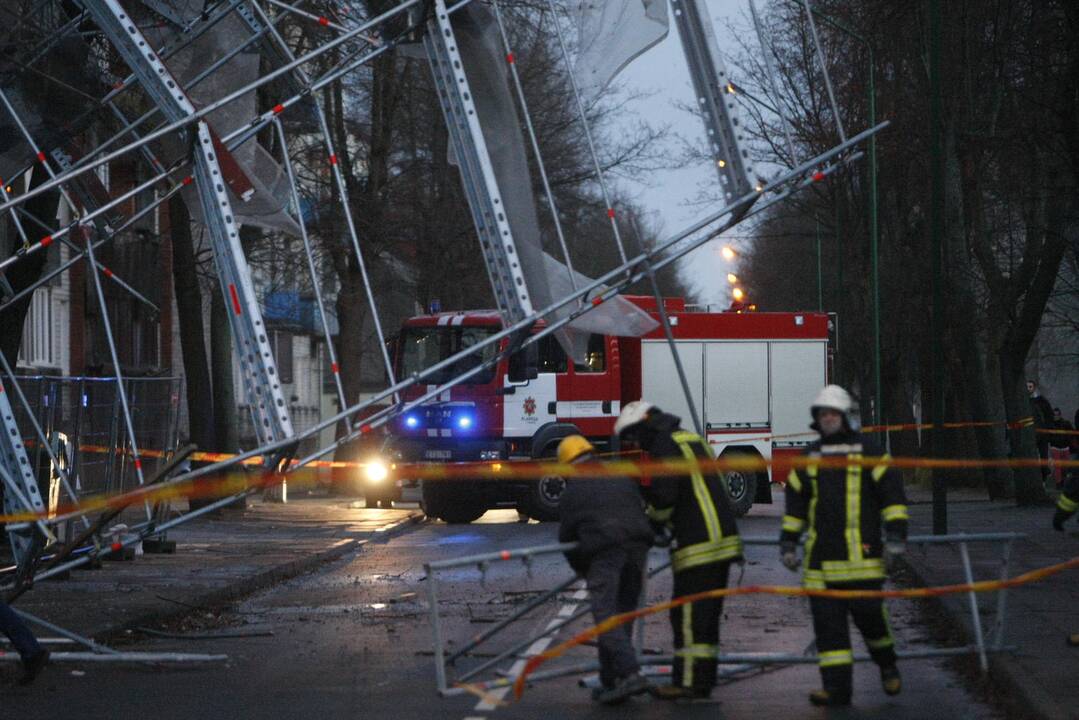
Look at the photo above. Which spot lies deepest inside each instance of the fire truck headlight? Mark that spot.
(375, 471)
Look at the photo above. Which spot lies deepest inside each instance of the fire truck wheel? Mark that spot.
(457, 508)
(543, 498)
(741, 487)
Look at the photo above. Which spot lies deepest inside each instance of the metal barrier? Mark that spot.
(984, 643)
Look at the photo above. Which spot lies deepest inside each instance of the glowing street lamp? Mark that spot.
(728, 253)
(732, 278)
(738, 294)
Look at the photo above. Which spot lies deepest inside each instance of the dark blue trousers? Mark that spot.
(17, 631)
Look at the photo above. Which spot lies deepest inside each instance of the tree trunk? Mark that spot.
(200, 408)
(226, 419)
(26, 271)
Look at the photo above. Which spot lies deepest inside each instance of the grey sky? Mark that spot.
(662, 72)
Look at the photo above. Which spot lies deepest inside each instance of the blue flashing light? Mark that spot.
(464, 422)
(412, 422)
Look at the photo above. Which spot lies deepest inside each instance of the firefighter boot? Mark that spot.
(890, 680)
(838, 682)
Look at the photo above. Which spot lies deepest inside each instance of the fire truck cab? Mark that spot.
(752, 377)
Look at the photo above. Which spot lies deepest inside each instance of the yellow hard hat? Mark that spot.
(573, 447)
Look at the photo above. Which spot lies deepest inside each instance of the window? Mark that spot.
(282, 351)
(595, 359)
(422, 347)
(552, 358)
(37, 347)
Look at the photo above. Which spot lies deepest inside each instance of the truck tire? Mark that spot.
(543, 497)
(741, 486)
(454, 505)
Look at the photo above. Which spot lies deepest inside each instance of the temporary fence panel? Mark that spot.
(983, 644)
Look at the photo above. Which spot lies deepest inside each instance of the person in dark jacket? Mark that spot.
(844, 509)
(706, 542)
(1067, 505)
(605, 517)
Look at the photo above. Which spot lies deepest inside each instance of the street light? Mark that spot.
(738, 294)
(732, 278)
(728, 253)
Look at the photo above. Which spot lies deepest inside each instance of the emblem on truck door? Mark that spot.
(530, 406)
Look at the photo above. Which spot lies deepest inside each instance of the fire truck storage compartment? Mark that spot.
(791, 362)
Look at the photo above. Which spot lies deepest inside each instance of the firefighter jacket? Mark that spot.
(843, 509)
(695, 505)
(1068, 502)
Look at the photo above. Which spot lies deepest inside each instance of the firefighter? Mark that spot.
(605, 517)
(844, 508)
(706, 541)
(1067, 505)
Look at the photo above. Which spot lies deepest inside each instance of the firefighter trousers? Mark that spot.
(615, 576)
(832, 628)
(696, 626)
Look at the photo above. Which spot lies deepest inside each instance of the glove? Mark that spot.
(894, 550)
(1058, 520)
(788, 555)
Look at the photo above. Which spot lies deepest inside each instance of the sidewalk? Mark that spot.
(217, 559)
(1040, 679)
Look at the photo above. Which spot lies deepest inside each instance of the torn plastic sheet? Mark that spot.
(547, 278)
(268, 206)
(611, 33)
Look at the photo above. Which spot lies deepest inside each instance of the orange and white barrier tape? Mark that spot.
(784, 590)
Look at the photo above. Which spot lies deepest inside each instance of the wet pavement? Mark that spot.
(353, 640)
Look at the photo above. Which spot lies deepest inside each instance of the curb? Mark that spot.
(1018, 699)
(272, 576)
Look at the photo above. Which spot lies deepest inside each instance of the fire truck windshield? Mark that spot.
(422, 347)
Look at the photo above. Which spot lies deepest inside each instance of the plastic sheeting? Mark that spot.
(548, 279)
(268, 207)
(611, 33)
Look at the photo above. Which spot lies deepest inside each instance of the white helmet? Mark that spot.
(633, 413)
(832, 397)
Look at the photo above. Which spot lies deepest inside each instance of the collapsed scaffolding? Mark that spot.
(186, 69)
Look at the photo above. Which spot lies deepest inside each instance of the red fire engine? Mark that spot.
(752, 375)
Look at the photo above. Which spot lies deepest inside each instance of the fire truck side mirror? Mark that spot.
(524, 364)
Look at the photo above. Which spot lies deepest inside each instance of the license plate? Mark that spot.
(438, 454)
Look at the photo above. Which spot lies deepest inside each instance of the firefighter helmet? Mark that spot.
(573, 447)
(633, 413)
(832, 397)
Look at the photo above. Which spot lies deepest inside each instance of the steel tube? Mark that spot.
(436, 629)
(975, 617)
(516, 615)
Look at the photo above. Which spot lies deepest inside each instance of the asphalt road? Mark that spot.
(353, 641)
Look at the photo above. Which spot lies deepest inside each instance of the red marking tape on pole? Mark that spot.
(41, 156)
(366, 429)
(610, 212)
(138, 464)
(323, 21)
(235, 300)
(46, 241)
(510, 58)
(335, 367)
(505, 554)
(818, 176)
(278, 109)
(597, 300)
(108, 273)
(188, 180)
(333, 159)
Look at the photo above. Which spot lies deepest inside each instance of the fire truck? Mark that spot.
(752, 377)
